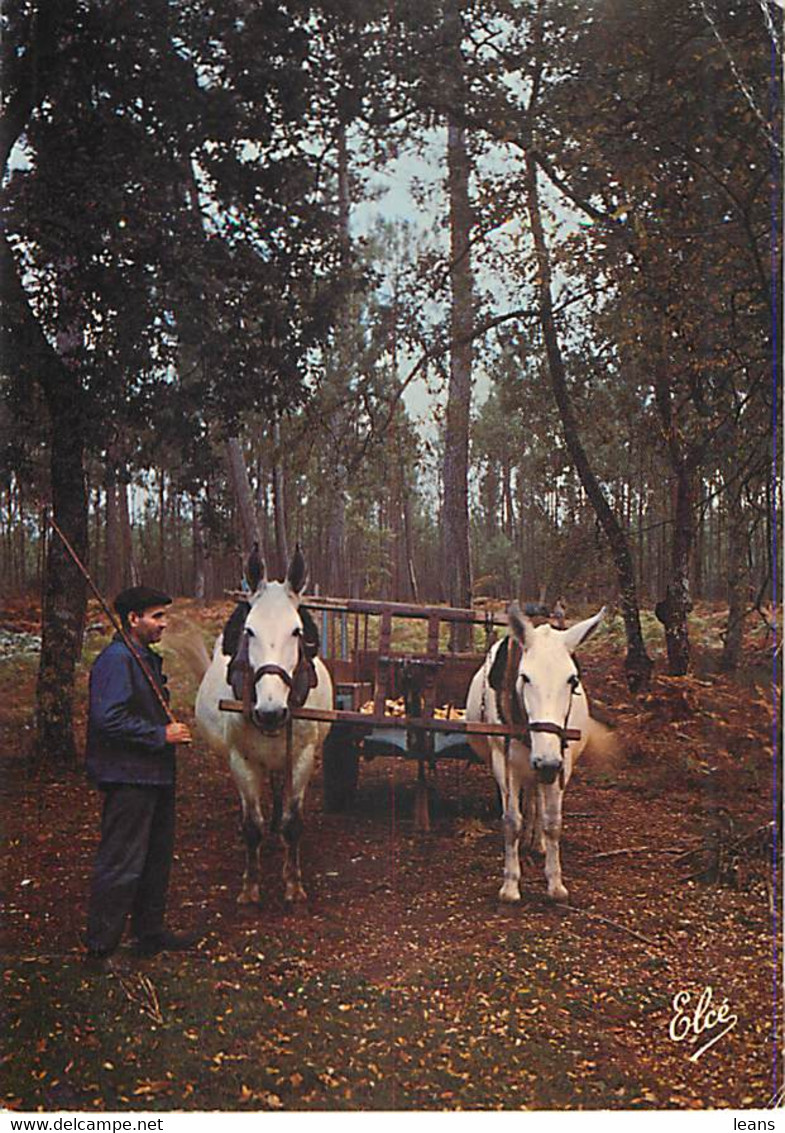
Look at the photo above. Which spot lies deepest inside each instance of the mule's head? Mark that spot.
(546, 682)
(273, 640)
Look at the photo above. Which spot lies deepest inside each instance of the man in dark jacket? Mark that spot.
(131, 758)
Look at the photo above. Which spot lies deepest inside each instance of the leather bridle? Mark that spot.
(273, 671)
(565, 734)
(299, 683)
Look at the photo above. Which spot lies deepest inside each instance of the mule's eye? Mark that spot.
(250, 632)
(297, 632)
(526, 680)
(574, 681)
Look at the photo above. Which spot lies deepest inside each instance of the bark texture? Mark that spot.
(456, 562)
(673, 610)
(246, 512)
(64, 597)
(738, 578)
(638, 665)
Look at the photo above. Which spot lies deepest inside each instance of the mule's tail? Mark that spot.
(602, 749)
(190, 647)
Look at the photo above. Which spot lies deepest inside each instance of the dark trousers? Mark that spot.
(131, 872)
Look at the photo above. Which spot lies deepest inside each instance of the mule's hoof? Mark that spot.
(558, 894)
(294, 894)
(509, 893)
(248, 896)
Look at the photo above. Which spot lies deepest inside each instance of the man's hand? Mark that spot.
(177, 733)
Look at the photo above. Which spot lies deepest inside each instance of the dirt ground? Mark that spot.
(403, 984)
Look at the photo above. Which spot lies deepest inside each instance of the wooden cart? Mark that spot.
(365, 668)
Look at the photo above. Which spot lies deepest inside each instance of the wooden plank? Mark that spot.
(401, 610)
(332, 715)
(384, 671)
(433, 636)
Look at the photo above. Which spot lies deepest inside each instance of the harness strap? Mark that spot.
(556, 730)
(509, 707)
(273, 671)
(243, 679)
(300, 682)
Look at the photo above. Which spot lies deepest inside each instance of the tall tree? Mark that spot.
(637, 664)
(105, 105)
(456, 563)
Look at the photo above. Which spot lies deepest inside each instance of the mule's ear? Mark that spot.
(296, 575)
(255, 570)
(577, 634)
(520, 625)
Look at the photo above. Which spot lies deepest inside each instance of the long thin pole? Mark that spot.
(117, 625)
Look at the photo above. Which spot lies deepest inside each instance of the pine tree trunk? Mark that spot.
(22, 548)
(131, 573)
(279, 503)
(177, 584)
(737, 578)
(407, 529)
(638, 664)
(243, 497)
(509, 510)
(336, 573)
(162, 581)
(114, 546)
(673, 610)
(95, 539)
(456, 562)
(698, 575)
(197, 534)
(678, 601)
(64, 598)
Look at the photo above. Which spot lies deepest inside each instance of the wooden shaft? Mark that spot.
(333, 715)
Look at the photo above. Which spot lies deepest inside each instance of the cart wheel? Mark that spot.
(340, 768)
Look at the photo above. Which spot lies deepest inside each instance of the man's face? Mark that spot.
(148, 627)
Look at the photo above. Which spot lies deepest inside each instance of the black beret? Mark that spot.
(138, 599)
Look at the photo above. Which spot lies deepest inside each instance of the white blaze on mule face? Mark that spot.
(531, 777)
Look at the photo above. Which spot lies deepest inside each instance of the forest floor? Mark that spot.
(402, 984)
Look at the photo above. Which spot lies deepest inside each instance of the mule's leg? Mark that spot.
(252, 827)
(276, 786)
(550, 799)
(291, 829)
(533, 841)
(292, 825)
(538, 835)
(508, 779)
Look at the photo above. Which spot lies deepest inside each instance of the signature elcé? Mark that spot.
(699, 1019)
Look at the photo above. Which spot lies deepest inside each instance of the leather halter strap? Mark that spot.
(299, 683)
(273, 671)
(564, 734)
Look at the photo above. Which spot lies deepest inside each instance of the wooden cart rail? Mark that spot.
(372, 720)
(403, 610)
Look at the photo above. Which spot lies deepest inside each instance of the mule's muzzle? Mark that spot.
(546, 772)
(270, 721)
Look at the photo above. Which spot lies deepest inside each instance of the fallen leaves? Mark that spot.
(404, 985)
(146, 1088)
(266, 1097)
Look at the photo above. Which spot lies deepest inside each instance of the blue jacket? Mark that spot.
(126, 725)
